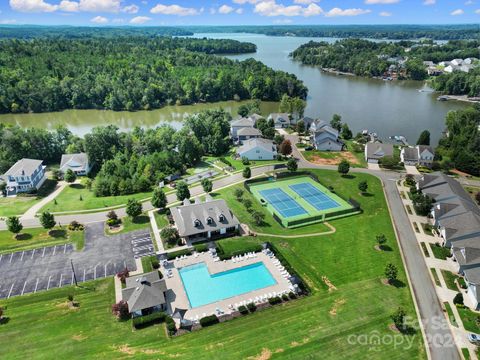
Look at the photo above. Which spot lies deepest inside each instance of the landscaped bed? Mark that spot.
(470, 319)
(450, 280)
(313, 326)
(440, 252)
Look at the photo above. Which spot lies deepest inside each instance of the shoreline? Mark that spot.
(463, 98)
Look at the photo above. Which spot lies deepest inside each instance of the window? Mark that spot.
(209, 221)
(196, 223)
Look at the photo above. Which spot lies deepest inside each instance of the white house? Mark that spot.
(247, 133)
(78, 163)
(418, 155)
(24, 176)
(281, 120)
(258, 149)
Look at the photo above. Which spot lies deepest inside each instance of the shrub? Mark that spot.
(247, 173)
(251, 307)
(171, 327)
(344, 167)
(172, 255)
(200, 247)
(398, 318)
(209, 320)
(122, 275)
(154, 318)
(292, 295)
(409, 180)
(458, 299)
(169, 234)
(274, 300)
(76, 226)
(112, 215)
(243, 310)
(113, 222)
(245, 161)
(70, 297)
(225, 161)
(120, 310)
(285, 297)
(155, 262)
(134, 208)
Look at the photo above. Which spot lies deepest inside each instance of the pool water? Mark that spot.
(203, 288)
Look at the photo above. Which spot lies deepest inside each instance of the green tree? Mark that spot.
(134, 208)
(336, 122)
(47, 220)
(170, 235)
(294, 106)
(363, 186)
(292, 165)
(301, 127)
(159, 199)
(346, 132)
(88, 183)
(389, 162)
(247, 173)
(207, 185)
(424, 138)
(258, 217)
(243, 110)
(344, 167)
(182, 191)
(422, 203)
(415, 69)
(381, 240)
(238, 193)
(391, 272)
(398, 318)
(14, 225)
(247, 203)
(70, 176)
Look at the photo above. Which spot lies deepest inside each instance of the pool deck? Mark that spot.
(177, 297)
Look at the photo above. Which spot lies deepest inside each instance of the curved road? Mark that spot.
(436, 329)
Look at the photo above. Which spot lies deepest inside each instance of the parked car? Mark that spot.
(309, 148)
(474, 338)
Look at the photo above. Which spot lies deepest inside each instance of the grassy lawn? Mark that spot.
(129, 224)
(451, 317)
(161, 219)
(440, 252)
(466, 353)
(301, 329)
(18, 205)
(469, 319)
(237, 163)
(427, 229)
(69, 200)
(39, 237)
(450, 278)
(435, 277)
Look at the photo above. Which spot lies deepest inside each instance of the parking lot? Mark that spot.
(45, 268)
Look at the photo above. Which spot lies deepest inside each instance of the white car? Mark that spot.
(474, 339)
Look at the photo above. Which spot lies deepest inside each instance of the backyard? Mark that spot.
(317, 326)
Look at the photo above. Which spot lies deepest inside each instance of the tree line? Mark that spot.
(132, 73)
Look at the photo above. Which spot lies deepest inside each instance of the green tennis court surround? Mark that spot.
(299, 200)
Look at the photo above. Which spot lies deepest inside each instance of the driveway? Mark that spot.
(49, 267)
(373, 166)
(412, 169)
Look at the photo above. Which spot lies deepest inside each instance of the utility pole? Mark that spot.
(74, 275)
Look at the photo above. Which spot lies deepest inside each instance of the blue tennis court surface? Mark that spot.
(314, 196)
(282, 202)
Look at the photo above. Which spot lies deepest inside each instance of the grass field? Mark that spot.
(319, 326)
(38, 237)
(285, 185)
(18, 205)
(450, 278)
(129, 224)
(69, 200)
(440, 252)
(469, 319)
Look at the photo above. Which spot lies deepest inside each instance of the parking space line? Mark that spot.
(84, 275)
(23, 253)
(71, 282)
(24, 284)
(54, 249)
(1, 255)
(33, 253)
(64, 248)
(10, 292)
(49, 278)
(105, 268)
(11, 256)
(60, 283)
(36, 285)
(43, 252)
(95, 272)
(124, 264)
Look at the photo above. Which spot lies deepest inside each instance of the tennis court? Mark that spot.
(282, 202)
(314, 196)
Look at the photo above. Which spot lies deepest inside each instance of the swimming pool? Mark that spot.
(204, 288)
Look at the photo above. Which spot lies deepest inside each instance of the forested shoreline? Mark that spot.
(132, 73)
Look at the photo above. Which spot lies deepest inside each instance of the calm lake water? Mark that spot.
(388, 108)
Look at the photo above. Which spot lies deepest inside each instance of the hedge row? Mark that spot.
(174, 254)
(224, 255)
(154, 318)
(200, 247)
(209, 320)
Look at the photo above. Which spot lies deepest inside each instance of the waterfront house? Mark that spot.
(375, 151)
(255, 117)
(247, 133)
(456, 62)
(239, 124)
(280, 120)
(419, 155)
(257, 149)
(78, 163)
(325, 138)
(145, 294)
(308, 121)
(211, 219)
(24, 176)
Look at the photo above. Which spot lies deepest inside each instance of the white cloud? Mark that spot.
(346, 12)
(385, 13)
(457, 12)
(140, 20)
(131, 9)
(32, 6)
(271, 8)
(241, 2)
(112, 6)
(373, 2)
(477, 11)
(305, 2)
(469, 2)
(225, 9)
(429, 2)
(99, 20)
(239, 11)
(69, 6)
(8, 21)
(173, 10)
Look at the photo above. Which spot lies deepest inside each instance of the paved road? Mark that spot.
(45, 268)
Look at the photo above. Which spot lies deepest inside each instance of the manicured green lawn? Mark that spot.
(39, 237)
(440, 252)
(18, 205)
(129, 224)
(300, 329)
(451, 317)
(161, 219)
(450, 278)
(466, 353)
(69, 200)
(237, 163)
(427, 229)
(469, 319)
(435, 277)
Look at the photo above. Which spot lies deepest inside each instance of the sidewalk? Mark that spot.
(30, 213)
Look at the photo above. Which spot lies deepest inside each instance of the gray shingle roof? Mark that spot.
(144, 291)
(410, 154)
(74, 161)
(467, 255)
(378, 150)
(24, 167)
(253, 143)
(242, 122)
(192, 219)
(473, 276)
(249, 131)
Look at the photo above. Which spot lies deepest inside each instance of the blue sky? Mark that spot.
(238, 12)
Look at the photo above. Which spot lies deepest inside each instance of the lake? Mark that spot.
(388, 108)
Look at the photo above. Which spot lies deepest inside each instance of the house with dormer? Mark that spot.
(78, 163)
(375, 151)
(324, 137)
(210, 219)
(24, 176)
